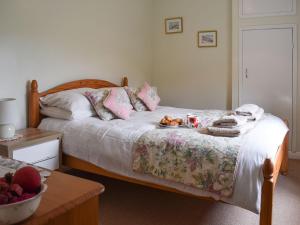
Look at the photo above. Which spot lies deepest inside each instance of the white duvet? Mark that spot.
(109, 144)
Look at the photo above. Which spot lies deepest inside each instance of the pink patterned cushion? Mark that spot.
(96, 98)
(149, 96)
(137, 103)
(118, 103)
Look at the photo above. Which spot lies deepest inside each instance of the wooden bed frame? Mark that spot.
(270, 170)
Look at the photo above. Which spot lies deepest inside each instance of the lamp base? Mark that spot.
(7, 131)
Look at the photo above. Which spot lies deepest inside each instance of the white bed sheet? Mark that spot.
(109, 144)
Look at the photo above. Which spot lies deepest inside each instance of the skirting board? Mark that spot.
(294, 155)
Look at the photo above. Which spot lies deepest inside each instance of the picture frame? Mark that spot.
(174, 25)
(207, 38)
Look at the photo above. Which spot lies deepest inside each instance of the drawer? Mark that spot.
(50, 164)
(37, 153)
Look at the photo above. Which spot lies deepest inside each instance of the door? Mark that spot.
(267, 70)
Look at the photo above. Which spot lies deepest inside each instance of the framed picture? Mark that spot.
(173, 25)
(207, 38)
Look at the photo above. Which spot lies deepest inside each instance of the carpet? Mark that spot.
(129, 204)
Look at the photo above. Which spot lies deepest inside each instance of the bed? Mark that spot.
(80, 152)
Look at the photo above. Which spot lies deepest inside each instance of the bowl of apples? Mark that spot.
(20, 195)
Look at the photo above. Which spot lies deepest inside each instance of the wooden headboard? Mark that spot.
(34, 95)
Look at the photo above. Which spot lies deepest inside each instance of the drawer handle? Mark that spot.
(44, 159)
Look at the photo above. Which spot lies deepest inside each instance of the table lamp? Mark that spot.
(7, 117)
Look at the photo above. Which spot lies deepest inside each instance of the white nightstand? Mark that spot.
(37, 147)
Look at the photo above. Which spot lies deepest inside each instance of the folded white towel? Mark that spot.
(230, 132)
(230, 121)
(247, 110)
(257, 115)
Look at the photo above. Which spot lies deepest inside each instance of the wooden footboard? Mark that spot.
(271, 172)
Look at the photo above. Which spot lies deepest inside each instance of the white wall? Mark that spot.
(56, 41)
(246, 22)
(188, 76)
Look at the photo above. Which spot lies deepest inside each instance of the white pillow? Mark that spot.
(71, 101)
(58, 113)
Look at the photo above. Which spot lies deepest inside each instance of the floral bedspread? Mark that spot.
(189, 157)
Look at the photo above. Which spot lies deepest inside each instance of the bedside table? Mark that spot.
(38, 147)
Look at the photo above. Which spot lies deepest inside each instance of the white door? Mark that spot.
(267, 70)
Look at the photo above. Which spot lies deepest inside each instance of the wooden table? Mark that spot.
(69, 200)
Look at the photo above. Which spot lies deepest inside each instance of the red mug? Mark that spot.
(192, 121)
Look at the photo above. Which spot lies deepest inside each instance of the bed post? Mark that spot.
(34, 107)
(267, 194)
(125, 82)
(284, 163)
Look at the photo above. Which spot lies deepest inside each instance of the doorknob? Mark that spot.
(246, 72)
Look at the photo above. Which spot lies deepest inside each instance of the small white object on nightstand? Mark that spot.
(7, 117)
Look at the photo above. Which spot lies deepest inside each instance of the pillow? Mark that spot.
(137, 103)
(118, 102)
(71, 100)
(149, 96)
(58, 113)
(96, 98)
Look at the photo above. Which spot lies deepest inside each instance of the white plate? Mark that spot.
(168, 126)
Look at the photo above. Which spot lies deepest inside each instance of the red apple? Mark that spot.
(28, 178)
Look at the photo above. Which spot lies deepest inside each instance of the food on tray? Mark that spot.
(179, 121)
(24, 184)
(169, 118)
(174, 123)
(164, 122)
(169, 121)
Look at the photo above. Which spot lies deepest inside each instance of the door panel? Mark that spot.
(267, 70)
(265, 7)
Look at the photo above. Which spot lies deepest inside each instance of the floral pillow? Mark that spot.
(137, 103)
(118, 102)
(96, 98)
(149, 96)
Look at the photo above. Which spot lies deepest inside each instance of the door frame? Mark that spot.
(294, 78)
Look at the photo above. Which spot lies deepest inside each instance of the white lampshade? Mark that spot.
(8, 109)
